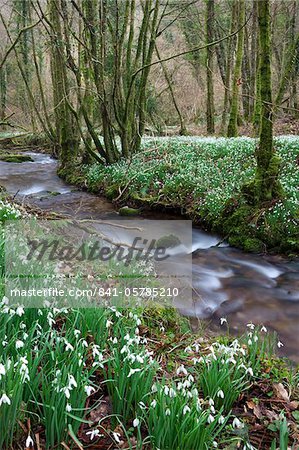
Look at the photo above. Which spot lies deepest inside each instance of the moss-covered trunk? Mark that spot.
(265, 185)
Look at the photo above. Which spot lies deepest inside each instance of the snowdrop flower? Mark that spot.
(250, 371)
(136, 422)
(153, 403)
(249, 342)
(20, 311)
(167, 412)
(220, 393)
(77, 333)
(4, 400)
(172, 393)
(237, 423)
(140, 359)
(154, 388)
(215, 445)
(2, 370)
(186, 409)
(279, 344)
(66, 392)
(211, 402)
(251, 326)
(109, 323)
(68, 347)
(19, 344)
(72, 382)
(264, 329)
(29, 442)
(223, 320)
(211, 418)
(68, 407)
(89, 390)
(181, 369)
(132, 371)
(188, 350)
(93, 434)
(221, 420)
(116, 437)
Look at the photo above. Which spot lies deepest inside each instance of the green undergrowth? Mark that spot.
(203, 178)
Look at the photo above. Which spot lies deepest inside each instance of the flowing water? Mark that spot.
(228, 282)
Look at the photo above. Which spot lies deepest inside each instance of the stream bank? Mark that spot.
(227, 282)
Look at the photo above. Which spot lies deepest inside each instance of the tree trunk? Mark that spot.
(266, 185)
(66, 131)
(232, 130)
(229, 63)
(3, 94)
(210, 13)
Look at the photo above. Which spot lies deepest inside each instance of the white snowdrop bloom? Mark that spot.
(139, 359)
(191, 378)
(115, 340)
(137, 330)
(215, 445)
(68, 407)
(223, 320)
(249, 342)
(220, 393)
(172, 393)
(264, 329)
(93, 434)
(186, 409)
(66, 392)
(136, 422)
(195, 360)
(251, 326)
(221, 420)
(182, 370)
(162, 329)
(250, 371)
(167, 412)
(2, 370)
(153, 403)
(154, 388)
(116, 437)
(77, 333)
(109, 323)
(279, 344)
(19, 344)
(132, 371)
(89, 390)
(211, 418)
(188, 350)
(84, 343)
(20, 311)
(29, 442)
(142, 405)
(255, 338)
(72, 382)
(68, 347)
(166, 390)
(124, 349)
(237, 423)
(212, 409)
(127, 337)
(5, 300)
(211, 402)
(5, 400)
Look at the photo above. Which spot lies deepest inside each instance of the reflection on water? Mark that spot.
(227, 282)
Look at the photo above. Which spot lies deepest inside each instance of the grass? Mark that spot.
(201, 176)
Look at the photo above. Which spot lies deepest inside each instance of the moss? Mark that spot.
(18, 158)
(168, 241)
(112, 191)
(126, 211)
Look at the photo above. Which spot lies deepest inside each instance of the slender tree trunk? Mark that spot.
(246, 76)
(232, 130)
(68, 142)
(183, 130)
(266, 185)
(3, 94)
(210, 17)
(229, 64)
